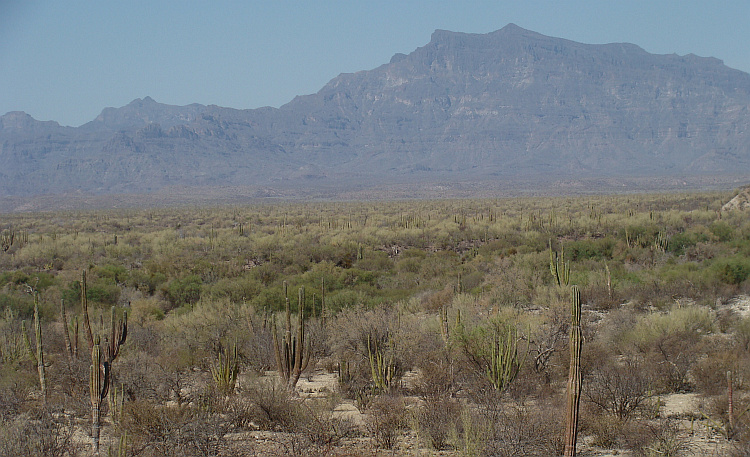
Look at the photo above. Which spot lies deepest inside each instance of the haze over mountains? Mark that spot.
(510, 106)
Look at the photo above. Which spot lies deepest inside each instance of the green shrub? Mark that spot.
(184, 291)
(679, 242)
(734, 270)
(722, 231)
(597, 249)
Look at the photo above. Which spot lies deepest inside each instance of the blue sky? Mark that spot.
(67, 60)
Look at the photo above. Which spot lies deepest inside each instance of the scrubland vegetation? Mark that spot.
(445, 323)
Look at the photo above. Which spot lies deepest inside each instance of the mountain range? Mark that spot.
(511, 106)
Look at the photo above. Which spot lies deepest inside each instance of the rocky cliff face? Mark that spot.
(510, 105)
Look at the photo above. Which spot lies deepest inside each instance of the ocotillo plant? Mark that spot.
(574, 378)
(505, 362)
(37, 353)
(293, 354)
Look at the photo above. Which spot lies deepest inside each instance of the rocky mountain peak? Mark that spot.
(507, 105)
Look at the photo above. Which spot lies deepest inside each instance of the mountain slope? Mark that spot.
(508, 105)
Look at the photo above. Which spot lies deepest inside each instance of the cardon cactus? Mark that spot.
(559, 268)
(574, 377)
(98, 387)
(101, 360)
(37, 353)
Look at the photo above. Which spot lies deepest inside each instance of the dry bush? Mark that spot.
(37, 434)
(436, 419)
(270, 405)
(434, 301)
(15, 385)
(620, 389)
(438, 373)
(669, 341)
(721, 356)
(172, 431)
(71, 387)
(385, 419)
(608, 431)
(519, 429)
(663, 437)
(318, 424)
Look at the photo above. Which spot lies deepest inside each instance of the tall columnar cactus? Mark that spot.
(505, 361)
(323, 301)
(730, 401)
(66, 332)
(98, 387)
(37, 353)
(85, 311)
(574, 377)
(101, 360)
(559, 268)
(445, 330)
(293, 353)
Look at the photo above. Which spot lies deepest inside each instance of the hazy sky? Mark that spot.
(66, 60)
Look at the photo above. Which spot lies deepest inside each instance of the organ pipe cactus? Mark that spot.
(225, 372)
(293, 353)
(382, 366)
(505, 362)
(574, 377)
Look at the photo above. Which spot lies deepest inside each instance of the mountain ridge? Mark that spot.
(510, 105)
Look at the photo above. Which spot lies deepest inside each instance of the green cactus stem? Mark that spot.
(102, 358)
(99, 380)
(37, 353)
(225, 372)
(505, 361)
(116, 400)
(293, 353)
(445, 329)
(559, 268)
(382, 366)
(85, 311)
(66, 332)
(574, 377)
(122, 447)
